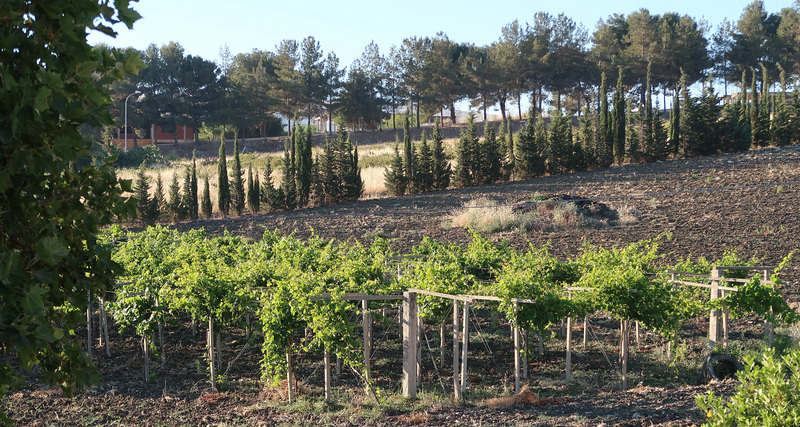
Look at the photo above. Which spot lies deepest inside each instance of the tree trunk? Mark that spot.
(453, 113)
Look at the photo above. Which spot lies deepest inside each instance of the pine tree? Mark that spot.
(223, 189)
(205, 203)
(194, 205)
(237, 181)
(440, 166)
(145, 208)
(174, 204)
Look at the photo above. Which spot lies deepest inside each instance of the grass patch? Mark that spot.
(541, 213)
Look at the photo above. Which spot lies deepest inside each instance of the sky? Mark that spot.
(346, 27)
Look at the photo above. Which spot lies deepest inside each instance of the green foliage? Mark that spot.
(223, 186)
(50, 257)
(767, 395)
(146, 207)
(149, 156)
(394, 177)
(205, 202)
(440, 165)
(237, 182)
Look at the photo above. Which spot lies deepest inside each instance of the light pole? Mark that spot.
(126, 118)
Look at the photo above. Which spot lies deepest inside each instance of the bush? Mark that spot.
(767, 396)
(149, 156)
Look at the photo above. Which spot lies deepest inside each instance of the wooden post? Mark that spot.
(211, 353)
(517, 361)
(525, 353)
(161, 339)
(724, 324)
(89, 343)
(327, 375)
(247, 326)
(420, 332)
(769, 329)
(146, 356)
(569, 351)
(624, 326)
(338, 368)
(441, 343)
(585, 331)
(638, 343)
(290, 375)
(367, 327)
(465, 338)
(104, 322)
(410, 332)
(713, 330)
(456, 382)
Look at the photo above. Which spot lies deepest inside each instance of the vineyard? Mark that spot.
(309, 307)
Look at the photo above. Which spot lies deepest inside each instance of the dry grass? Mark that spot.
(488, 216)
(374, 183)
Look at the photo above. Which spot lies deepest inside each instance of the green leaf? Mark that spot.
(42, 100)
(50, 250)
(33, 302)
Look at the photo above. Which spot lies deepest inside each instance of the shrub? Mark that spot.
(767, 395)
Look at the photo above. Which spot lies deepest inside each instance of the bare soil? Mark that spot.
(744, 202)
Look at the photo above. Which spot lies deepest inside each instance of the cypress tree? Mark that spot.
(205, 202)
(490, 163)
(648, 145)
(353, 185)
(689, 139)
(186, 195)
(288, 189)
(424, 172)
(317, 185)
(465, 151)
(440, 166)
(560, 144)
(675, 124)
(328, 173)
(659, 135)
(174, 204)
(409, 158)
(145, 208)
(194, 204)
(393, 177)
(223, 189)
(618, 122)
(759, 124)
(605, 149)
(586, 138)
(237, 181)
(781, 127)
(267, 192)
(252, 192)
(158, 197)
